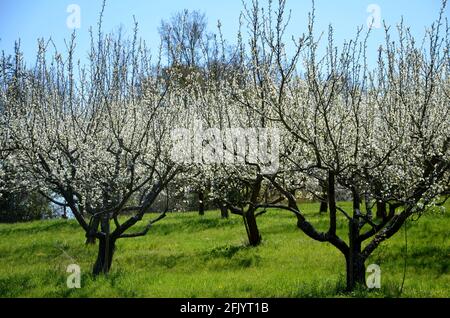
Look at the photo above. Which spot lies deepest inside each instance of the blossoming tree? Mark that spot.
(96, 136)
(381, 135)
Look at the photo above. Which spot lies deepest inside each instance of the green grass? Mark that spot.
(186, 255)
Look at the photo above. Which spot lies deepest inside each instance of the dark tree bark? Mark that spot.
(93, 229)
(324, 201)
(201, 203)
(105, 255)
(381, 210)
(224, 212)
(355, 261)
(323, 207)
(381, 206)
(106, 249)
(254, 238)
(64, 215)
(249, 215)
(90, 240)
(356, 271)
(223, 209)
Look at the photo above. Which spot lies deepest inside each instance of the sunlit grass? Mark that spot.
(186, 255)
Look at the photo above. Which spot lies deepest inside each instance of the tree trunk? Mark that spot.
(324, 202)
(224, 211)
(254, 238)
(90, 236)
(64, 215)
(323, 207)
(381, 206)
(91, 240)
(201, 203)
(106, 249)
(381, 210)
(356, 269)
(105, 255)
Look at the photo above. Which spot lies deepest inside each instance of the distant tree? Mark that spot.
(23, 207)
(17, 203)
(183, 37)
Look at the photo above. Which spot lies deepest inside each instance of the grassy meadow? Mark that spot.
(186, 255)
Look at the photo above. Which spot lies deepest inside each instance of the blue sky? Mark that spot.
(30, 20)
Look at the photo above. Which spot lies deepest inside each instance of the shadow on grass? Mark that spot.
(226, 251)
(430, 258)
(337, 289)
(38, 227)
(190, 224)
